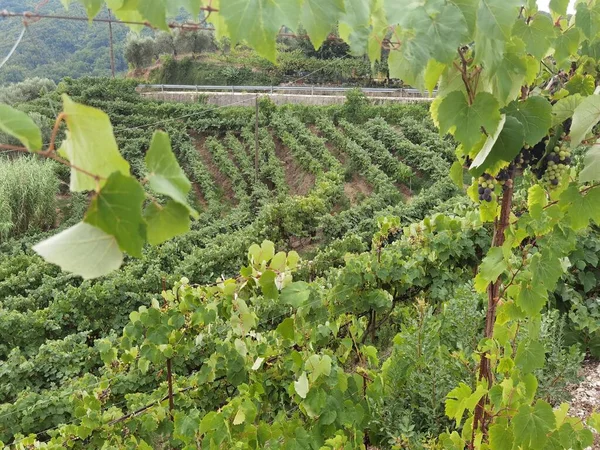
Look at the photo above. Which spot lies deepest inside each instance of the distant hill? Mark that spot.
(57, 48)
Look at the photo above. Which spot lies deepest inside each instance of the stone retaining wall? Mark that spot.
(244, 99)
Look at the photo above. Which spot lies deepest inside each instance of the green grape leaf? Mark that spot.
(564, 108)
(443, 31)
(546, 270)
(191, 6)
(267, 283)
(295, 294)
(580, 208)
(581, 84)
(378, 30)
(165, 176)
(591, 165)
(433, 71)
(530, 356)
(186, 424)
(594, 421)
(155, 12)
(469, 11)
(409, 62)
(566, 44)
(318, 365)
(559, 7)
(286, 329)
(258, 22)
(301, 386)
(166, 222)
(19, 125)
(83, 250)
(495, 19)
(90, 146)
(531, 299)
(455, 111)
(318, 17)
(117, 210)
(510, 72)
(531, 425)
(456, 174)
(115, 4)
(501, 436)
(585, 117)
(401, 11)
(588, 19)
(493, 265)
(535, 114)
(538, 34)
(504, 145)
(354, 27)
(92, 7)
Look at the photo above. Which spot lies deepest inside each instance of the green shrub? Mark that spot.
(429, 357)
(28, 190)
(355, 107)
(25, 91)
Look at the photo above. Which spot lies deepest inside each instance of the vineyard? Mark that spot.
(401, 276)
(321, 184)
(355, 216)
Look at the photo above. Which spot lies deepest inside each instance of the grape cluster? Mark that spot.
(557, 163)
(530, 156)
(504, 175)
(485, 187)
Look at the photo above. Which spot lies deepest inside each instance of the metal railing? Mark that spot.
(312, 90)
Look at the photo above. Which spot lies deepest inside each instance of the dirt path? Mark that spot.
(586, 395)
(221, 180)
(299, 181)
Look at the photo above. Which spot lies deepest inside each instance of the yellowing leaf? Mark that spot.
(90, 145)
(19, 125)
(240, 417)
(82, 249)
(301, 386)
(536, 201)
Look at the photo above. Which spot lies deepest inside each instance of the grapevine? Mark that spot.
(248, 354)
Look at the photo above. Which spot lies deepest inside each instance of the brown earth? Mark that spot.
(299, 181)
(220, 179)
(357, 189)
(586, 395)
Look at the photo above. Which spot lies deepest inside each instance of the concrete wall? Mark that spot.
(243, 99)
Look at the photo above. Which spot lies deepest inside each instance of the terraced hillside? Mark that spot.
(323, 178)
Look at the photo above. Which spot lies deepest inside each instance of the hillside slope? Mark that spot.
(57, 48)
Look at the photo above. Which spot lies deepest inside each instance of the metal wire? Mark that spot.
(14, 48)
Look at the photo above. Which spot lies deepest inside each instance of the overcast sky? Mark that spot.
(543, 4)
